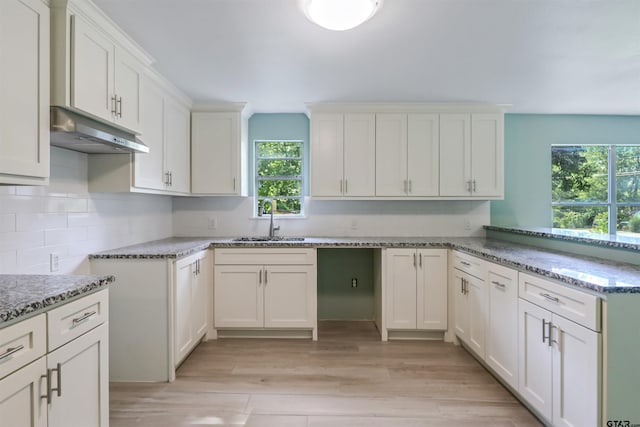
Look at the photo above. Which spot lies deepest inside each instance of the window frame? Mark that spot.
(301, 177)
(612, 203)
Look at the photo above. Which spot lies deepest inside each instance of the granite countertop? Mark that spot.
(594, 274)
(22, 295)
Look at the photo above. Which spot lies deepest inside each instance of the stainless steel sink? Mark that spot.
(268, 239)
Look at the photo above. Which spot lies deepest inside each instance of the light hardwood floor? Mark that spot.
(347, 378)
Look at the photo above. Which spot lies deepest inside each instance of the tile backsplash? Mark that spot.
(65, 219)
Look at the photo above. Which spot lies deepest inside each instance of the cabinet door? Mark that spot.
(461, 304)
(576, 375)
(535, 357)
(177, 146)
(215, 153)
(289, 296)
(359, 155)
(128, 88)
(502, 323)
(82, 376)
(20, 402)
(455, 155)
(432, 289)
(183, 336)
(149, 167)
(327, 168)
(238, 296)
(423, 155)
(24, 87)
(400, 285)
(476, 292)
(201, 296)
(92, 70)
(391, 155)
(487, 152)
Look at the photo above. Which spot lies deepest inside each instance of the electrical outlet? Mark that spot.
(54, 262)
(354, 282)
(467, 224)
(213, 223)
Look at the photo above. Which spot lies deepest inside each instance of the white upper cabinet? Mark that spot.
(24, 87)
(407, 161)
(471, 155)
(177, 146)
(408, 151)
(218, 152)
(343, 155)
(97, 68)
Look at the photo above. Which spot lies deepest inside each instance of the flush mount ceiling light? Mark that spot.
(340, 15)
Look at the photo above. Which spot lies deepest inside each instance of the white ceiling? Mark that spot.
(541, 56)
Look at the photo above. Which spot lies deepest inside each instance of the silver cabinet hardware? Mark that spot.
(474, 185)
(549, 297)
(544, 324)
(10, 351)
(409, 190)
(119, 103)
(266, 277)
(234, 183)
(114, 105)
(420, 259)
(469, 186)
(466, 264)
(170, 179)
(50, 388)
(260, 278)
(414, 260)
(498, 284)
(340, 186)
(346, 186)
(82, 318)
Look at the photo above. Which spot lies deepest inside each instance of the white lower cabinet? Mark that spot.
(265, 289)
(559, 367)
(470, 299)
(68, 386)
(502, 323)
(160, 311)
(415, 284)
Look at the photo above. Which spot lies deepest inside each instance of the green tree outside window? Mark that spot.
(279, 175)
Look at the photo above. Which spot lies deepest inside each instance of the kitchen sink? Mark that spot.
(268, 239)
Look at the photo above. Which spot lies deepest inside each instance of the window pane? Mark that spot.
(277, 188)
(594, 219)
(279, 149)
(284, 206)
(628, 221)
(579, 173)
(279, 168)
(628, 173)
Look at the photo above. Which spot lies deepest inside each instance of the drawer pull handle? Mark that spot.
(10, 351)
(550, 298)
(83, 317)
(498, 284)
(50, 389)
(466, 264)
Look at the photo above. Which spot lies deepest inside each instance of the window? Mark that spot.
(596, 188)
(279, 172)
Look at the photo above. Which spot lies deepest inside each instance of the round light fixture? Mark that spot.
(340, 15)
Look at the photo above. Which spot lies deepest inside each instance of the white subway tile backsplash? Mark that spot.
(7, 223)
(39, 221)
(65, 236)
(21, 240)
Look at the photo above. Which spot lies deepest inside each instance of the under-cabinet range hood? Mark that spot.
(76, 132)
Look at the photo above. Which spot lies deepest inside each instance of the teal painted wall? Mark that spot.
(337, 300)
(279, 126)
(527, 159)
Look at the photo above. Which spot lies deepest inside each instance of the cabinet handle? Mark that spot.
(114, 105)
(462, 286)
(346, 186)
(474, 185)
(469, 186)
(10, 351)
(234, 183)
(415, 264)
(259, 277)
(119, 103)
(498, 284)
(545, 336)
(466, 264)
(409, 186)
(420, 259)
(550, 298)
(340, 186)
(83, 317)
(50, 388)
(170, 179)
(266, 276)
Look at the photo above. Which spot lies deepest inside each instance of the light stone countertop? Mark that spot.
(24, 295)
(595, 274)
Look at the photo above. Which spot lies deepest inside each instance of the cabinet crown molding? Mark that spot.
(406, 107)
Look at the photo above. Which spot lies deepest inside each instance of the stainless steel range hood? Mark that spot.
(73, 131)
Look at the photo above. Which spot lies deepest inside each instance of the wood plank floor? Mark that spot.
(347, 378)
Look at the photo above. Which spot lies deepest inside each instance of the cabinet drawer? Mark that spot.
(468, 263)
(75, 318)
(22, 343)
(573, 304)
(261, 256)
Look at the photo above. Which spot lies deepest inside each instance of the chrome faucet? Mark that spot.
(272, 229)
